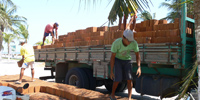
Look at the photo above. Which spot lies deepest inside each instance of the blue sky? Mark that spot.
(70, 14)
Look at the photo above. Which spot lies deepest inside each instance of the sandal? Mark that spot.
(33, 81)
(18, 82)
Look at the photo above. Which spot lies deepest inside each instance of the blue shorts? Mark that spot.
(47, 34)
(122, 70)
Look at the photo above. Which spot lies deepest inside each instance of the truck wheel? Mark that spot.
(121, 86)
(77, 77)
(92, 80)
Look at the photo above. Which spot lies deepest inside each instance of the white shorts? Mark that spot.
(26, 65)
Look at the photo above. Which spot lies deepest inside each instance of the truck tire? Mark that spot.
(120, 88)
(77, 77)
(92, 80)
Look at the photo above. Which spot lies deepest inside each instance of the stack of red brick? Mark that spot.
(150, 31)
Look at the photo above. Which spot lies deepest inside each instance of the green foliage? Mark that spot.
(8, 38)
(8, 18)
(175, 9)
(187, 81)
(125, 7)
(22, 32)
(145, 15)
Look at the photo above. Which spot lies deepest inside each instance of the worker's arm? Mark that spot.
(132, 20)
(112, 62)
(138, 63)
(22, 56)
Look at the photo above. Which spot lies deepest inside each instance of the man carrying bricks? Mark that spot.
(27, 53)
(120, 61)
(49, 29)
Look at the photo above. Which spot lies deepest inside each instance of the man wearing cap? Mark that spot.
(27, 53)
(120, 62)
(49, 29)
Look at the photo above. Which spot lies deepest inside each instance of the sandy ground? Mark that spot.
(10, 68)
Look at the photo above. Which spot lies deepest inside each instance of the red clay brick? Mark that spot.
(37, 47)
(150, 28)
(113, 28)
(143, 24)
(156, 27)
(43, 89)
(31, 89)
(63, 93)
(171, 26)
(104, 28)
(138, 25)
(153, 22)
(58, 92)
(162, 22)
(80, 31)
(68, 95)
(91, 29)
(12, 86)
(3, 84)
(176, 25)
(23, 91)
(175, 39)
(174, 33)
(176, 20)
(37, 89)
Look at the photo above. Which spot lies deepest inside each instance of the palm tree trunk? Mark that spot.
(8, 51)
(1, 39)
(197, 33)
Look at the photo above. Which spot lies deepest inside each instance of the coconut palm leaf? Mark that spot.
(187, 81)
(8, 18)
(145, 16)
(175, 9)
(9, 2)
(8, 38)
(22, 32)
(123, 7)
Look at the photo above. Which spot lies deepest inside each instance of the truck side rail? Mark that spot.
(163, 53)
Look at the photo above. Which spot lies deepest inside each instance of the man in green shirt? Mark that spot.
(121, 61)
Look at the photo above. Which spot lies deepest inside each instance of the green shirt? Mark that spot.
(123, 52)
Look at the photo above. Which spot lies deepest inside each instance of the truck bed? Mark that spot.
(151, 53)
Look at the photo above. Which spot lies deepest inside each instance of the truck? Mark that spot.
(163, 65)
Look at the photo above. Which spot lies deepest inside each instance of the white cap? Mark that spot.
(22, 41)
(128, 34)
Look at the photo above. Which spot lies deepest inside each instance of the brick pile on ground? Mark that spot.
(52, 91)
(150, 31)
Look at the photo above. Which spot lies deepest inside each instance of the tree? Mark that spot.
(125, 7)
(23, 32)
(145, 15)
(8, 38)
(197, 34)
(8, 19)
(175, 9)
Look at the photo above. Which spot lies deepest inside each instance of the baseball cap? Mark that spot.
(128, 34)
(56, 24)
(22, 41)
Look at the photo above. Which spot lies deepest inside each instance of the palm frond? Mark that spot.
(9, 2)
(125, 7)
(145, 16)
(188, 79)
